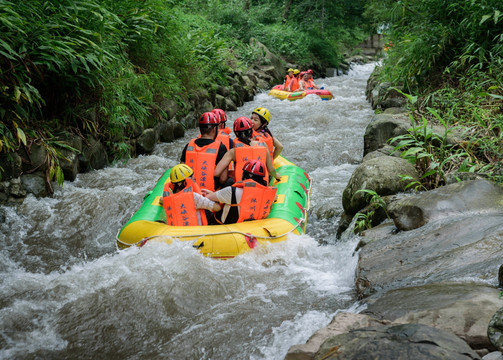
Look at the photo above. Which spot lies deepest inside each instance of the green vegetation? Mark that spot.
(449, 55)
(364, 220)
(103, 67)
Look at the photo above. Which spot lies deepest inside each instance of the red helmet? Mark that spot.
(256, 167)
(221, 115)
(242, 123)
(208, 118)
(309, 71)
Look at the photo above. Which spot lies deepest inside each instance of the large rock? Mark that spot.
(450, 245)
(408, 341)
(383, 127)
(93, 156)
(277, 70)
(146, 142)
(340, 324)
(475, 197)
(381, 175)
(464, 309)
(495, 329)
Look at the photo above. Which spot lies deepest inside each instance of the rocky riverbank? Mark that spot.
(429, 272)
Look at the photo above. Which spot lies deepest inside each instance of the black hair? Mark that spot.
(205, 129)
(179, 186)
(263, 125)
(244, 136)
(256, 178)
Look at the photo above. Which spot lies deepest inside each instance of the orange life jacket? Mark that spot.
(226, 130)
(180, 208)
(245, 153)
(263, 136)
(203, 161)
(295, 84)
(288, 80)
(256, 200)
(224, 138)
(308, 84)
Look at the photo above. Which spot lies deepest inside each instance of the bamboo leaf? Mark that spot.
(21, 135)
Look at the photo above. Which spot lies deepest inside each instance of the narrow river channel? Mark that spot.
(67, 293)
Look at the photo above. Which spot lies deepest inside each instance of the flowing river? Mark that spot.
(67, 292)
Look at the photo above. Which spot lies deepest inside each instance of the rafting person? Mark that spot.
(310, 82)
(183, 201)
(294, 84)
(288, 78)
(223, 131)
(303, 82)
(248, 199)
(245, 148)
(203, 153)
(222, 116)
(260, 118)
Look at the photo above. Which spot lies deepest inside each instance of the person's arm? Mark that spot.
(206, 203)
(301, 85)
(278, 147)
(223, 164)
(270, 167)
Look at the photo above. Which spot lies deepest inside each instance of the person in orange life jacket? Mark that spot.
(245, 148)
(303, 83)
(183, 202)
(260, 119)
(288, 78)
(294, 84)
(310, 80)
(223, 131)
(248, 199)
(203, 153)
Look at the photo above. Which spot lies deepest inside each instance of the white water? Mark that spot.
(66, 292)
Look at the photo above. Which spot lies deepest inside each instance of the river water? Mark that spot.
(66, 292)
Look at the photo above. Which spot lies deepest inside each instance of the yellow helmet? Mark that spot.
(289, 70)
(180, 172)
(296, 71)
(263, 113)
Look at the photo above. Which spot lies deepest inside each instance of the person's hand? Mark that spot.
(277, 176)
(205, 192)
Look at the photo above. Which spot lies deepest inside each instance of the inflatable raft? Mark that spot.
(288, 215)
(296, 95)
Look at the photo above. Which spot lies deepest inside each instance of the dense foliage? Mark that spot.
(100, 67)
(448, 55)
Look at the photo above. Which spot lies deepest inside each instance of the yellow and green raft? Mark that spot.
(279, 93)
(288, 215)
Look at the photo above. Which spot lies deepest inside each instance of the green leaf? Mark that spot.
(21, 135)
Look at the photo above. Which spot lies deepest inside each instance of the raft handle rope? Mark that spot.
(198, 236)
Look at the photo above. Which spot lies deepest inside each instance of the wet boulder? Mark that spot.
(146, 142)
(382, 175)
(93, 156)
(342, 323)
(474, 197)
(495, 330)
(408, 341)
(462, 308)
(458, 239)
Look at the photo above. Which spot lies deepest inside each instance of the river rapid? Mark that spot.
(67, 292)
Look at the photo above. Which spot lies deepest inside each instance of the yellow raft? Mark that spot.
(288, 215)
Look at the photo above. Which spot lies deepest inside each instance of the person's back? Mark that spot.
(248, 199)
(182, 200)
(203, 153)
(245, 148)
